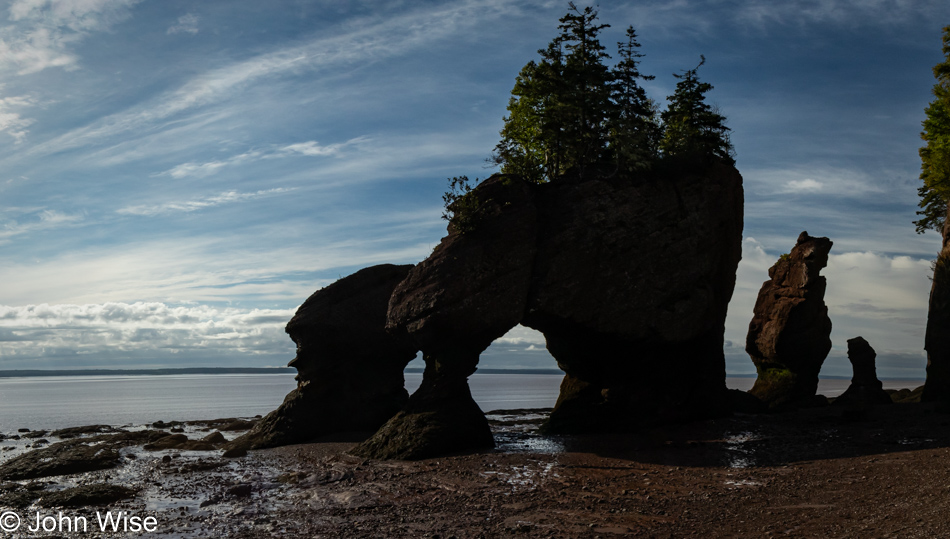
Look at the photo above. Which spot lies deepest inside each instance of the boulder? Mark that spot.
(76, 455)
(92, 494)
(937, 338)
(789, 335)
(349, 368)
(865, 389)
(628, 278)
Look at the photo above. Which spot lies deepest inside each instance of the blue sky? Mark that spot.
(177, 177)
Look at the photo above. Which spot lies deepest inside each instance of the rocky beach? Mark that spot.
(827, 471)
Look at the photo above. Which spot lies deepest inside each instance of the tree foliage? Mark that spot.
(558, 112)
(634, 131)
(569, 111)
(692, 128)
(935, 155)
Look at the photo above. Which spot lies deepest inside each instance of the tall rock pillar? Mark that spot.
(790, 333)
(937, 340)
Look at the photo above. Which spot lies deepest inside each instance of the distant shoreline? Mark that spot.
(23, 373)
(149, 372)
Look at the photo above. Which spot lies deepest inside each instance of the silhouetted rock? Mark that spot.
(789, 336)
(350, 369)
(630, 289)
(865, 388)
(628, 279)
(937, 339)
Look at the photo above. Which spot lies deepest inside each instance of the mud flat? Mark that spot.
(817, 472)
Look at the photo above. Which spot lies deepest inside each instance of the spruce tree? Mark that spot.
(935, 156)
(559, 109)
(634, 133)
(693, 130)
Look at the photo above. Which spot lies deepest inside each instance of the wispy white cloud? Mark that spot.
(360, 42)
(272, 265)
(42, 32)
(11, 121)
(36, 220)
(310, 149)
(704, 17)
(520, 335)
(228, 197)
(140, 328)
(807, 185)
(187, 24)
(841, 182)
(845, 12)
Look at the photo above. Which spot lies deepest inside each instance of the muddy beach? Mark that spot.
(827, 472)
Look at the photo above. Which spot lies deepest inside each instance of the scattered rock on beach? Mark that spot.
(85, 429)
(87, 495)
(789, 335)
(179, 441)
(76, 455)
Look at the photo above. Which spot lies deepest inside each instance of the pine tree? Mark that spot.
(935, 156)
(634, 133)
(560, 106)
(692, 128)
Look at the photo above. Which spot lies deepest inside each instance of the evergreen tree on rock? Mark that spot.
(693, 129)
(634, 132)
(560, 106)
(935, 156)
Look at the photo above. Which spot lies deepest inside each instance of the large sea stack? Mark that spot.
(937, 339)
(628, 279)
(790, 333)
(350, 369)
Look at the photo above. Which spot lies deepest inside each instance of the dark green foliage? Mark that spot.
(570, 112)
(693, 129)
(634, 131)
(935, 156)
(559, 109)
(461, 208)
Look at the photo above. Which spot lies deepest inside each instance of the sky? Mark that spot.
(177, 177)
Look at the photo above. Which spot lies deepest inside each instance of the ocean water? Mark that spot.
(68, 401)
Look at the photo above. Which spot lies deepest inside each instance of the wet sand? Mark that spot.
(824, 472)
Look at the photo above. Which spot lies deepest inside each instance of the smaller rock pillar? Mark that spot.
(865, 388)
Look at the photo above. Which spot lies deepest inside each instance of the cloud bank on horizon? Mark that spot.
(177, 177)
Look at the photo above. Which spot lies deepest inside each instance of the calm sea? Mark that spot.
(68, 401)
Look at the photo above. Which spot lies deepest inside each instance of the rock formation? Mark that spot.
(865, 388)
(627, 278)
(789, 336)
(350, 369)
(937, 339)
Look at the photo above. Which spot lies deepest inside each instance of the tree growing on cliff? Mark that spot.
(559, 110)
(693, 129)
(634, 132)
(935, 155)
